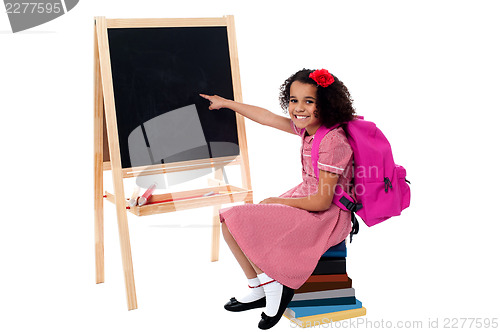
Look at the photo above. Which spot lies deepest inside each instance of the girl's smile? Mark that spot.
(302, 106)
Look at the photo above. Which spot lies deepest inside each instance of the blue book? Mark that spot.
(296, 312)
(338, 250)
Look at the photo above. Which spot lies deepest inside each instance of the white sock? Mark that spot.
(273, 291)
(255, 293)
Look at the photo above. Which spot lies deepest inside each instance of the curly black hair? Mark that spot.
(333, 103)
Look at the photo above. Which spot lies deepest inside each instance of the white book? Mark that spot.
(328, 294)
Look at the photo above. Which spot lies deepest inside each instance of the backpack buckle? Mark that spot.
(351, 206)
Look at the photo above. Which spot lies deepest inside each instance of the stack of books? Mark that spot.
(327, 296)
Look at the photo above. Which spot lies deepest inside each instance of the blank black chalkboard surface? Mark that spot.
(158, 74)
(149, 118)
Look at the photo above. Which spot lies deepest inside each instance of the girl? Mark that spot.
(279, 241)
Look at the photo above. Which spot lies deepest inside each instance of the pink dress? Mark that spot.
(286, 242)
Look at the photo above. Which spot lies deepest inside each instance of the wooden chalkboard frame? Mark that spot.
(107, 151)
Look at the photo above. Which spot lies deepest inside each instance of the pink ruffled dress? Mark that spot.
(286, 242)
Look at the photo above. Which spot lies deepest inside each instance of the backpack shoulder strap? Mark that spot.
(340, 198)
(318, 137)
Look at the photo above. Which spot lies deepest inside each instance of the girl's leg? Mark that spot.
(248, 267)
(256, 295)
(272, 290)
(257, 270)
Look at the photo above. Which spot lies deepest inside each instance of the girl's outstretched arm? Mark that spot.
(317, 202)
(257, 114)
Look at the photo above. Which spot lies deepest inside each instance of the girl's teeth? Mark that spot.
(300, 117)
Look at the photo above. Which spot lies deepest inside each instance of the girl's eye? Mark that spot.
(293, 100)
(309, 101)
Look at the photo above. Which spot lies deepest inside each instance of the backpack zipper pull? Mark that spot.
(388, 184)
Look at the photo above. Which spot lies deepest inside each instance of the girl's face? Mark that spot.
(302, 106)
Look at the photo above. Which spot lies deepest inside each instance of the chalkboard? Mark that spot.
(158, 74)
(148, 74)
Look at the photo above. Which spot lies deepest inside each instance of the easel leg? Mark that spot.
(98, 168)
(216, 234)
(99, 238)
(114, 153)
(98, 218)
(126, 251)
(216, 229)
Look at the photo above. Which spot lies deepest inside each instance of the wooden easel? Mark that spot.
(106, 143)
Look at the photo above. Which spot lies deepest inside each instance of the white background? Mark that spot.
(427, 72)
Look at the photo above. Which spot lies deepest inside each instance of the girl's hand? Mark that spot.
(216, 102)
(272, 200)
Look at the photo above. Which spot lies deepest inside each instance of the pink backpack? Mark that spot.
(380, 186)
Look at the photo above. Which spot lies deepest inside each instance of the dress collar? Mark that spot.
(307, 139)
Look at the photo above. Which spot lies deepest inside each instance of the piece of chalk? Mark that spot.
(144, 198)
(133, 198)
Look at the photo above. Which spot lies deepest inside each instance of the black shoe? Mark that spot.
(235, 305)
(267, 322)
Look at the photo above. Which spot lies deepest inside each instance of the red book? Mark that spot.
(322, 286)
(328, 278)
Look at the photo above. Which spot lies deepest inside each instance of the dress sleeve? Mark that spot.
(335, 152)
(296, 130)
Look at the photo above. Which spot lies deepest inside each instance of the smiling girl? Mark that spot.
(279, 241)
